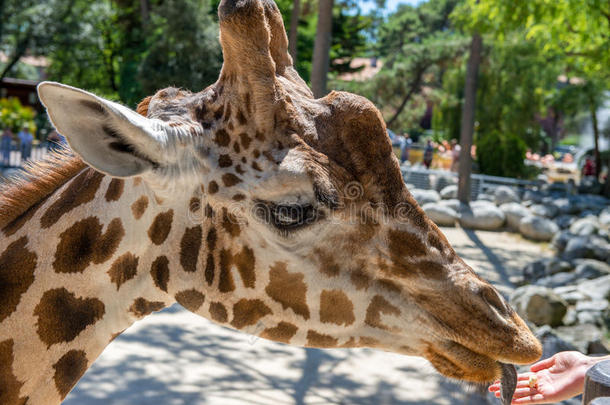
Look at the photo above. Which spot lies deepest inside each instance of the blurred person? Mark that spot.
(5, 146)
(588, 168)
(428, 154)
(25, 143)
(551, 380)
(455, 155)
(406, 148)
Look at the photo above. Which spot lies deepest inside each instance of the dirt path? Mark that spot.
(177, 358)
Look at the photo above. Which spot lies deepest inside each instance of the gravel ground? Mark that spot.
(174, 357)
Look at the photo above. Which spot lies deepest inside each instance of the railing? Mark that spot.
(427, 179)
(15, 159)
(597, 385)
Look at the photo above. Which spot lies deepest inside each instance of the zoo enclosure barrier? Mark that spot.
(426, 179)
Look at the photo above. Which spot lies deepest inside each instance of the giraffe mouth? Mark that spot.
(455, 360)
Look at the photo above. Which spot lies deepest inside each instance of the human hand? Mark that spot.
(560, 377)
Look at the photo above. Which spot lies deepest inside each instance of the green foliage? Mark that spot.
(184, 49)
(501, 154)
(15, 116)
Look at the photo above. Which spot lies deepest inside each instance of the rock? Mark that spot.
(536, 270)
(551, 342)
(576, 247)
(547, 211)
(481, 215)
(598, 288)
(560, 240)
(558, 266)
(504, 195)
(514, 212)
(593, 312)
(557, 280)
(441, 215)
(580, 335)
(564, 221)
(604, 217)
(532, 195)
(599, 248)
(425, 196)
(537, 228)
(566, 206)
(445, 181)
(589, 269)
(449, 192)
(452, 203)
(539, 305)
(485, 197)
(585, 226)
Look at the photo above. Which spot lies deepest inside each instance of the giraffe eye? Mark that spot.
(287, 217)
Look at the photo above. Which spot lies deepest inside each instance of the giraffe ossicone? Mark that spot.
(249, 203)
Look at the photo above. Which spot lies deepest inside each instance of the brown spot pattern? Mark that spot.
(9, 385)
(189, 248)
(123, 269)
(17, 266)
(83, 243)
(79, 191)
(288, 289)
(225, 161)
(142, 307)
(315, 339)
(247, 312)
(230, 223)
(244, 261)
(283, 332)
(159, 271)
(222, 138)
(328, 265)
(245, 140)
(190, 299)
(68, 370)
(379, 306)
(359, 278)
(229, 179)
(160, 227)
(213, 187)
(210, 268)
(225, 282)
(138, 208)
(218, 312)
(404, 244)
(336, 307)
(115, 190)
(62, 316)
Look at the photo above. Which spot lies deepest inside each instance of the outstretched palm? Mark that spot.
(559, 377)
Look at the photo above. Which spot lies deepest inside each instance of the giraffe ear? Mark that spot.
(106, 135)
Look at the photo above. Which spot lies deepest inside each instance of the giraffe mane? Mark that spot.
(39, 179)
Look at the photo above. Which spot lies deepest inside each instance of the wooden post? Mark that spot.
(597, 384)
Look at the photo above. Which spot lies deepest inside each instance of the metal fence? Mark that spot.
(426, 179)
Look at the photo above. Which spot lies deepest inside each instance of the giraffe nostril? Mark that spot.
(493, 298)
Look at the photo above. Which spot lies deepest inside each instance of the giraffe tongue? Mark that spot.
(508, 383)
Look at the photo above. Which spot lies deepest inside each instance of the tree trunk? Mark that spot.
(321, 48)
(468, 110)
(145, 11)
(294, 25)
(597, 156)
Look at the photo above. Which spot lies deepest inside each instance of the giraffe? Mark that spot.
(251, 204)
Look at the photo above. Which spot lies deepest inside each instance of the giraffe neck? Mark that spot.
(75, 271)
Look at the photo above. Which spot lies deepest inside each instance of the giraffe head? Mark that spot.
(290, 215)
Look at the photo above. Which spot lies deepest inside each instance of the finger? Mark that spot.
(525, 392)
(534, 399)
(541, 365)
(524, 376)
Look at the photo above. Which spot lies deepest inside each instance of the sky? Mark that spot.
(391, 5)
